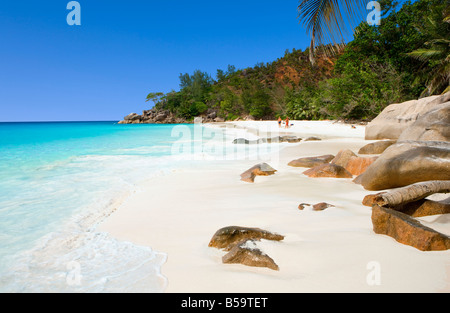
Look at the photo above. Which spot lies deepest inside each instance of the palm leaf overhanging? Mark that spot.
(328, 21)
(436, 52)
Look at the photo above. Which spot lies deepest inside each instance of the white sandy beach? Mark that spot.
(329, 251)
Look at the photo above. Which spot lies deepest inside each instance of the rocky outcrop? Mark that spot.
(377, 147)
(328, 170)
(132, 118)
(226, 238)
(310, 162)
(344, 165)
(247, 253)
(432, 126)
(397, 117)
(406, 163)
(262, 169)
(155, 116)
(407, 230)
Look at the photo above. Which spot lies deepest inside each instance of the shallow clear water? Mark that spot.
(59, 180)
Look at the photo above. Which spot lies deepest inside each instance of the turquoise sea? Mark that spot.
(57, 182)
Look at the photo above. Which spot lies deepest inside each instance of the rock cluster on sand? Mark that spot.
(240, 242)
(345, 164)
(393, 214)
(410, 170)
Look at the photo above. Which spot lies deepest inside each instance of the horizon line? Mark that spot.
(59, 121)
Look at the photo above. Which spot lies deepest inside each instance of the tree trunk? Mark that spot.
(412, 193)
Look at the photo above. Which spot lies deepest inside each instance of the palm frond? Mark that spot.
(328, 20)
(426, 54)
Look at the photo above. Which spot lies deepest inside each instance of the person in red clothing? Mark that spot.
(287, 122)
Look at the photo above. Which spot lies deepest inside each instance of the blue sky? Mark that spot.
(104, 68)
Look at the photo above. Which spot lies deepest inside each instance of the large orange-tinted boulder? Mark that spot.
(358, 165)
(407, 230)
(407, 163)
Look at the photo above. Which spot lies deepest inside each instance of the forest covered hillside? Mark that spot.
(404, 58)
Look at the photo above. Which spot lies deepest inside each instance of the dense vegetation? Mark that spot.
(406, 57)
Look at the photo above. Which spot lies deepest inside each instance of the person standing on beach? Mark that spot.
(279, 121)
(287, 122)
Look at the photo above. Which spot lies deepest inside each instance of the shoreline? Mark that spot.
(328, 251)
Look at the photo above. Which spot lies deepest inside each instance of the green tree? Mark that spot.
(361, 91)
(435, 53)
(155, 97)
